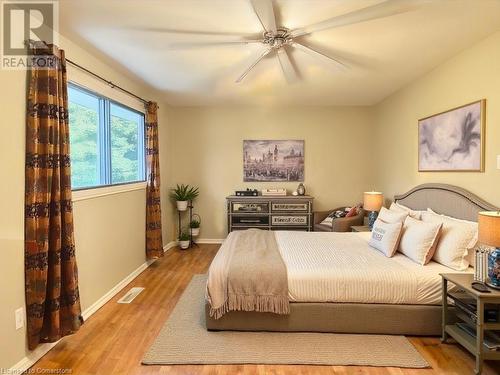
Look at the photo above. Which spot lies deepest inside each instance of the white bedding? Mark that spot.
(342, 267)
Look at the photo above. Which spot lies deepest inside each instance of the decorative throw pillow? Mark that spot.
(333, 215)
(419, 239)
(385, 237)
(400, 208)
(352, 212)
(390, 216)
(338, 213)
(458, 238)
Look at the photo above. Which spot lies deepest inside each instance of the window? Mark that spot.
(107, 141)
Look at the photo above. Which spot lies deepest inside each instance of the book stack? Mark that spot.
(481, 264)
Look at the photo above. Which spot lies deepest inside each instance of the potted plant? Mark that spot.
(184, 240)
(195, 227)
(181, 195)
(192, 193)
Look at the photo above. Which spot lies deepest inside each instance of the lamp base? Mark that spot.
(494, 269)
(372, 217)
(492, 286)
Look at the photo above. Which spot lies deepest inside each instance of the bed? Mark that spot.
(379, 295)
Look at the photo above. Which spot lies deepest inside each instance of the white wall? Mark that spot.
(109, 231)
(472, 75)
(208, 153)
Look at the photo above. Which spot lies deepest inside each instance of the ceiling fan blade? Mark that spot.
(191, 45)
(319, 55)
(163, 30)
(381, 10)
(261, 56)
(265, 12)
(287, 66)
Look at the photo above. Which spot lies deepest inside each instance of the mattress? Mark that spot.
(342, 267)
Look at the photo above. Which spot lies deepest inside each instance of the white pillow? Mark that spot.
(470, 258)
(327, 221)
(385, 237)
(453, 218)
(399, 207)
(457, 239)
(419, 239)
(390, 216)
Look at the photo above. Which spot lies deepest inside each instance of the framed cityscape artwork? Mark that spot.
(453, 140)
(279, 160)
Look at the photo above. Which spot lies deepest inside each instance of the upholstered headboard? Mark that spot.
(445, 199)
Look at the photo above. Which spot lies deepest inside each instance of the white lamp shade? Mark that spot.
(489, 228)
(373, 200)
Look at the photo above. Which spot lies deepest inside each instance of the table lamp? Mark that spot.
(372, 202)
(489, 234)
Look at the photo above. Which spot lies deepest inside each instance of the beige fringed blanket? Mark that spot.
(248, 274)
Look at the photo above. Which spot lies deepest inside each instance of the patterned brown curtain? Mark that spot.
(154, 243)
(52, 298)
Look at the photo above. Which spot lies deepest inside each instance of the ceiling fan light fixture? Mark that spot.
(278, 39)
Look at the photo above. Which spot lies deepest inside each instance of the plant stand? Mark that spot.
(179, 213)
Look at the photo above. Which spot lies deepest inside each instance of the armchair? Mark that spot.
(341, 224)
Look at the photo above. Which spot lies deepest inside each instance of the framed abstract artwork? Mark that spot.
(280, 160)
(453, 141)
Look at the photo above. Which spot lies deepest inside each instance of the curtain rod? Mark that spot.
(109, 83)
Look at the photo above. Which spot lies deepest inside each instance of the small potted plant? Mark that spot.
(192, 193)
(184, 240)
(195, 227)
(181, 194)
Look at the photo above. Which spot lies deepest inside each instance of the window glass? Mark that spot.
(84, 138)
(107, 141)
(126, 144)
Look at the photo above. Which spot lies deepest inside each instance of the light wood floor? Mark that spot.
(115, 338)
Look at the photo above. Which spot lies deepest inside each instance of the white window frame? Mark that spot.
(103, 191)
(101, 90)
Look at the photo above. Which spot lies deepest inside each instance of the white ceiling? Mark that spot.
(384, 54)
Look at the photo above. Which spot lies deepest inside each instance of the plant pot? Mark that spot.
(182, 205)
(184, 244)
(195, 231)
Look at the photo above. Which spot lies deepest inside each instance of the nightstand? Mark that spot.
(360, 228)
(473, 317)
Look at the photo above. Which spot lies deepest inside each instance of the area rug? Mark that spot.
(184, 340)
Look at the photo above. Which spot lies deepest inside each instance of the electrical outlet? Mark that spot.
(498, 161)
(19, 318)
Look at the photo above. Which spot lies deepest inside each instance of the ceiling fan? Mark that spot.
(277, 39)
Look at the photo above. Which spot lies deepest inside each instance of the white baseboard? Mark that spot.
(210, 240)
(35, 355)
(31, 358)
(202, 241)
(114, 291)
(170, 245)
